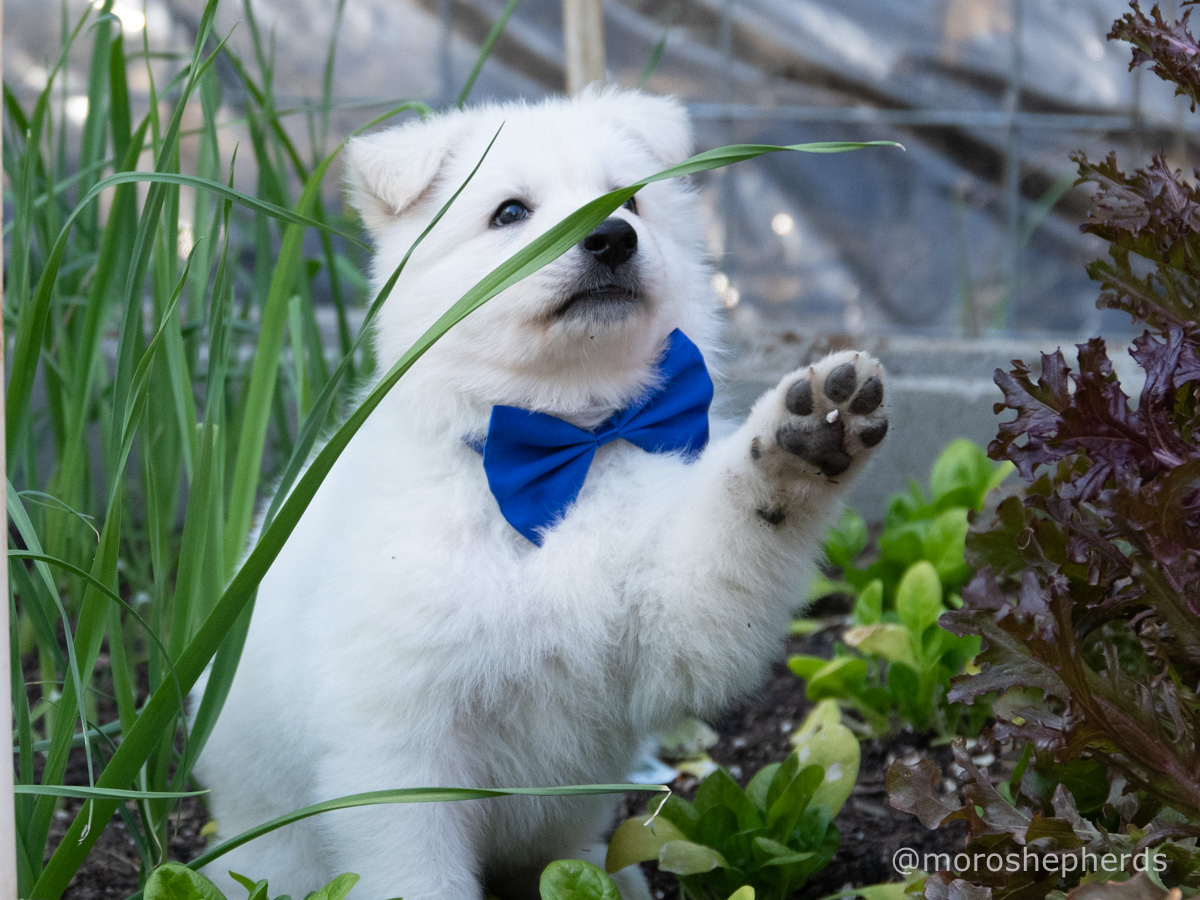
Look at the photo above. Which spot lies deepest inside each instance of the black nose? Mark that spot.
(612, 243)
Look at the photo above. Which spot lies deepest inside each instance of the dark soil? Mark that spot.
(750, 738)
(111, 868)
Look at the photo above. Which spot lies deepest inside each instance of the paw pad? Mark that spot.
(799, 399)
(834, 416)
(840, 384)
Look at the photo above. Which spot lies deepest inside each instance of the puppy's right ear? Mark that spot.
(388, 171)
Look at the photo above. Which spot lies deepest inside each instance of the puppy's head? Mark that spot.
(580, 336)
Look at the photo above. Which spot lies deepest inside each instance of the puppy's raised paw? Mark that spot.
(833, 412)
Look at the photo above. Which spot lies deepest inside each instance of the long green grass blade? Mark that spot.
(263, 375)
(485, 51)
(657, 54)
(107, 732)
(90, 793)
(416, 795)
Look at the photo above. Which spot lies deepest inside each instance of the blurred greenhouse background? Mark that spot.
(947, 260)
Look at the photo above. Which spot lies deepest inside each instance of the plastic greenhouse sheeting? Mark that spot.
(926, 241)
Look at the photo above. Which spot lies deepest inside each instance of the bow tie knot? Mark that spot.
(536, 463)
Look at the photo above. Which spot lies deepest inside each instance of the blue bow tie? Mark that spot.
(536, 463)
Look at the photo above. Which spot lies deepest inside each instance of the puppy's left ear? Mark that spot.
(661, 123)
(388, 171)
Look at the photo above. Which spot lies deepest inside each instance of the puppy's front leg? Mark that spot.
(735, 549)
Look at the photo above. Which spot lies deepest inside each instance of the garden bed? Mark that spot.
(751, 737)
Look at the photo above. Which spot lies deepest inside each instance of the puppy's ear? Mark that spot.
(661, 123)
(387, 171)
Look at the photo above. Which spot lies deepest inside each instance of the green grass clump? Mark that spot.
(136, 426)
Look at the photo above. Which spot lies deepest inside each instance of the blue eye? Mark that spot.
(631, 205)
(508, 212)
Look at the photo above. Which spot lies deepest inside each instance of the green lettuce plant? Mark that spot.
(895, 666)
(772, 836)
(895, 662)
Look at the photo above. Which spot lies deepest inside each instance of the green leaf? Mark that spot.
(835, 749)
(964, 467)
(905, 543)
(886, 639)
(904, 685)
(785, 774)
(681, 814)
(264, 373)
(485, 51)
(838, 678)
(823, 714)
(175, 881)
(868, 608)
(820, 586)
(247, 883)
(72, 790)
(716, 826)
(1000, 473)
(919, 597)
(805, 666)
(719, 790)
(903, 508)
(778, 854)
(846, 540)
(757, 789)
(408, 795)
(945, 546)
(635, 841)
(806, 627)
(336, 889)
(745, 892)
(785, 813)
(574, 879)
(686, 858)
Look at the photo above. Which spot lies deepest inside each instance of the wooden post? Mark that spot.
(8, 822)
(583, 38)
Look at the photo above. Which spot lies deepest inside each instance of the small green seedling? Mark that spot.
(896, 663)
(174, 881)
(772, 836)
(895, 666)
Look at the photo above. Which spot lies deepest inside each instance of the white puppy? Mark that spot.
(408, 635)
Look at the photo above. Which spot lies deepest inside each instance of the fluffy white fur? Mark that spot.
(408, 636)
